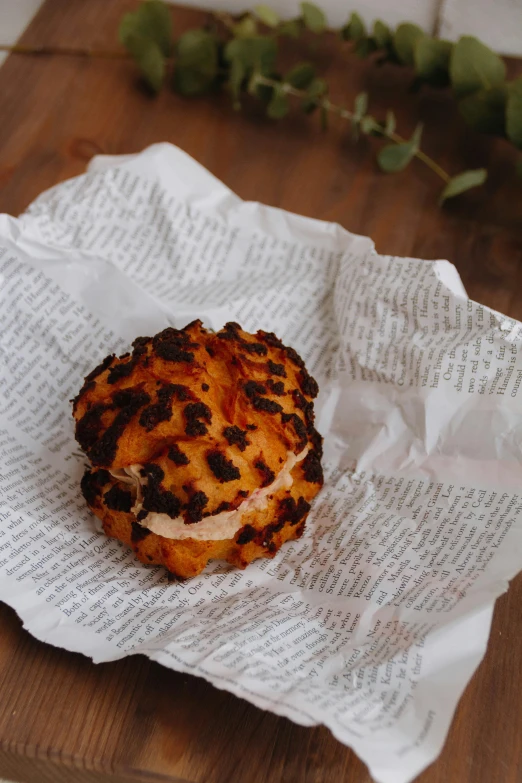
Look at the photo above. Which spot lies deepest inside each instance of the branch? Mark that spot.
(346, 114)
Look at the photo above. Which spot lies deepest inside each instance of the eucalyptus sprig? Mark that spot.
(239, 54)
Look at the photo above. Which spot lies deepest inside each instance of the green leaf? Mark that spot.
(267, 15)
(404, 40)
(196, 62)
(514, 113)
(149, 59)
(364, 46)
(370, 127)
(462, 182)
(314, 92)
(395, 157)
(432, 58)
(485, 111)
(313, 17)
(290, 29)
(147, 34)
(259, 52)
(246, 27)
(360, 105)
(473, 66)
(279, 105)
(381, 34)
(246, 55)
(151, 21)
(389, 126)
(152, 64)
(354, 29)
(301, 76)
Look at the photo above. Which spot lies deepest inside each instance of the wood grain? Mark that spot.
(63, 719)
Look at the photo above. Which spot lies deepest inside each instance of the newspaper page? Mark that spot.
(374, 621)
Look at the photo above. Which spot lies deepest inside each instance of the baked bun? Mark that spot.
(202, 446)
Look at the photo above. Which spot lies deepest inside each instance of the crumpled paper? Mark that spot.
(375, 620)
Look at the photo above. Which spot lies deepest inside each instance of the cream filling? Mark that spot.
(216, 527)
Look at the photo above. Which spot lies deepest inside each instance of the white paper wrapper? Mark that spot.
(374, 621)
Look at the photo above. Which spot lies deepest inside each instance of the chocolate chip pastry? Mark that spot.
(202, 445)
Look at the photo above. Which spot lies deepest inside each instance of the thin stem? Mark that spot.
(433, 165)
(346, 114)
(64, 50)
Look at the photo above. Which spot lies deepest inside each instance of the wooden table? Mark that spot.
(64, 719)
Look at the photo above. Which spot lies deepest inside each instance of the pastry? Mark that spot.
(201, 445)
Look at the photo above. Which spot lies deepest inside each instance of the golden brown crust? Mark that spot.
(211, 418)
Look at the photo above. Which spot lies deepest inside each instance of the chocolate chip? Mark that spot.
(268, 475)
(290, 511)
(205, 386)
(276, 369)
(252, 388)
(140, 346)
(193, 412)
(308, 410)
(316, 440)
(152, 472)
(173, 353)
(222, 468)
(230, 332)
(104, 450)
(174, 345)
(120, 371)
(236, 437)
(155, 498)
(88, 428)
(251, 427)
(312, 469)
(102, 477)
(308, 384)
(224, 506)
(196, 428)
(246, 534)
(177, 456)
(100, 368)
(294, 357)
(209, 350)
(195, 507)
(131, 396)
(162, 409)
(138, 533)
(276, 388)
(118, 499)
(269, 406)
(243, 493)
(257, 348)
(270, 339)
(92, 483)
